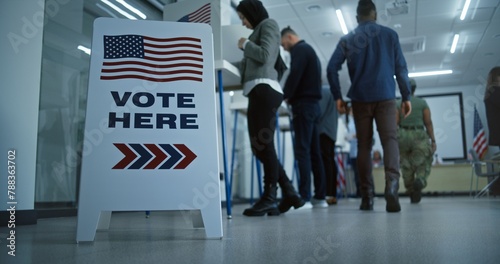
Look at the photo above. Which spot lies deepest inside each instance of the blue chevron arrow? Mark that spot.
(144, 156)
(175, 156)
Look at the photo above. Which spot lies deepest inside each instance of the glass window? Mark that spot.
(63, 92)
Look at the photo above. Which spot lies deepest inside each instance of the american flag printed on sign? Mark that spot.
(152, 59)
(201, 15)
(479, 144)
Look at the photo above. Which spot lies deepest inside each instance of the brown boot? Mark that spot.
(331, 200)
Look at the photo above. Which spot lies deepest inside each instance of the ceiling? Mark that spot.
(426, 29)
(426, 32)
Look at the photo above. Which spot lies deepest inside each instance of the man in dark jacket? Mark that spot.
(374, 56)
(303, 91)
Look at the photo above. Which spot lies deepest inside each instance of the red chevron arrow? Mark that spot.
(189, 156)
(160, 156)
(129, 156)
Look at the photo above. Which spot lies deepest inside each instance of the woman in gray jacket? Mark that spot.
(260, 84)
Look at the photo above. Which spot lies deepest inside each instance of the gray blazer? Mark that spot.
(261, 52)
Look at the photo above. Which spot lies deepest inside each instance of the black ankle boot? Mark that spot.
(366, 204)
(265, 205)
(391, 196)
(367, 195)
(416, 194)
(290, 197)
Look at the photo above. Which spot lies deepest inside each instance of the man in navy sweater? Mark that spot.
(373, 54)
(303, 91)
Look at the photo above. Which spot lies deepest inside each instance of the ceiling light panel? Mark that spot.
(132, 9)
(119, 10)
(429, 73)
(465, 9)
(340, 17)
(454, 43)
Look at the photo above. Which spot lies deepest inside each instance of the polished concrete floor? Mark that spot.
(438, 230)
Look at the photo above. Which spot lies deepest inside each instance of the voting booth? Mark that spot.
(151, 127)
(217, 14)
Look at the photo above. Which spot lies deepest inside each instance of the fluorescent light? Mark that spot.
(454, 44)
(84, 49)
(429, 73)
(111, 14)
(119, 10)
(464, 11)
(341, 21)
(131, 8)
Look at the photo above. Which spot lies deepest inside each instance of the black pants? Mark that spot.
(327, 146)
(263, 104)
(492, 109)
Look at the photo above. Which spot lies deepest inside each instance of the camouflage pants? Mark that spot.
(416, 158)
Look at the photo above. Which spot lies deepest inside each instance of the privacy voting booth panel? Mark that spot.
(212, 12)
(150, 124)
(217, 14)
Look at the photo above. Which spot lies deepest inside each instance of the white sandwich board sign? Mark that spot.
(151, 126)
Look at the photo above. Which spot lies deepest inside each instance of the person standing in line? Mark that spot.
(328, 126)
(377, 159)
(492, 106)
(417, 145)
(374, 57)
(303, 91)
(260, 84)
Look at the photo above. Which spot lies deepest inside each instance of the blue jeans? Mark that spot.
(307, 151)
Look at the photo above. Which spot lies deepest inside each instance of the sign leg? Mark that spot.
(87, 225)
(212, 219)
(104, 220)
